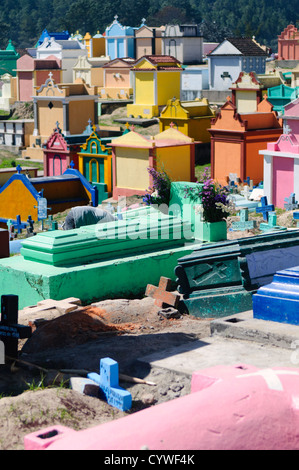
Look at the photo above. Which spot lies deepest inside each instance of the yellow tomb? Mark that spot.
(192, 118)
(133, 154)
(156, 79)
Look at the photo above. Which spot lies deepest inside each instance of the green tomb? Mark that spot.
(219, 279)
(115, 259)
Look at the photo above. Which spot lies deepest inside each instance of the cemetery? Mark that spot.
(149, 249)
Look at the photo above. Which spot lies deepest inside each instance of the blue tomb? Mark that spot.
(279, 300)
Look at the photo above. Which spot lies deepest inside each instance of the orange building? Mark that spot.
(288, 45)
(237, 138)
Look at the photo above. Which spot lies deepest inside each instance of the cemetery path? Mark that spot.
(125, 330)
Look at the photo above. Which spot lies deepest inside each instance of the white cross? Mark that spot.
(271, 377)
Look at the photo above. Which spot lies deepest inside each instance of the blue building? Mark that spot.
(63, 35)
(120, 40)
(232, 56)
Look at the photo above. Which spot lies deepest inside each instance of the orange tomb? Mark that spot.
(237, 138)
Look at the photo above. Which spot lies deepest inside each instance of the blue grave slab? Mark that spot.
(279, 300)
(109, 387)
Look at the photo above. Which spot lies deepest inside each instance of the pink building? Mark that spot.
(281, 159)
(33, 73)
(288, 43)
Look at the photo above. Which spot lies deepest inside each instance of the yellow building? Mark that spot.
(95, 45)
(71, 104)
(133, 154)
(156, 79)
(192, 118)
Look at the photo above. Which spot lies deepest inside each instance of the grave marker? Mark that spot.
(290, 202)
(272, 223)
(19, 225)
(109, 387)
(265, 208)
(161, 293)
(244, 223)
(10, 331)
(296, 217)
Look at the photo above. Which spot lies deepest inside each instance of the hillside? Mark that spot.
(24, 20)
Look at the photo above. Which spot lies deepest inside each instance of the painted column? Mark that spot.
(268, 177)
(296, 177)
(35, 110)
(66, 128)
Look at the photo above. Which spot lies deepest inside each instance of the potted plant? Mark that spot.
(213, 205)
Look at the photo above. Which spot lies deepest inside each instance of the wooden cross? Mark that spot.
(265, 208)
(10, 331)
(161, 293)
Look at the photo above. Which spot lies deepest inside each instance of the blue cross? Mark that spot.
(109, 387)
(72, 164)
(19, 225)
(19, 169)
(265, 208)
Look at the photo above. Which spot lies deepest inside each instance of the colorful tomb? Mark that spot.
(192, 118)
(95, 163)
(288, 45)
(72, 105)
(20, 194)
(117, 79)
(8, 60)
(281, 95)
(156, 80)
(237, 138)
(281, 159)
(120, 40)
(232, 56)
(133, 154)
(148, 40)
(33, 73)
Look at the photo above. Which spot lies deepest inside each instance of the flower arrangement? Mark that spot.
(159, 193)
(215, 204)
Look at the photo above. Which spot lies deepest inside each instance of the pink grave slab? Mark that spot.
(230, 408)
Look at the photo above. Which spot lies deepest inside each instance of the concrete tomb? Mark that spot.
(279, 300)
(101, 261)
(218, 280)
(239, 407)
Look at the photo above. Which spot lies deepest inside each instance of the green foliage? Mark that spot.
(23, 21)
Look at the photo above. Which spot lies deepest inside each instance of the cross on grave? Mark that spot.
(10, 331)
(290, 202)
(11, 229)
(109, 388)
(30, 232)
(272, 223)
(265, 208)
(19, 169)
(19, 225)
(244, 223)
(161, 293)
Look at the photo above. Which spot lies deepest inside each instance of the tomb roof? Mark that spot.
(245, 46)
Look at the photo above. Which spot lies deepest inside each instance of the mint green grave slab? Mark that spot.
(116, 259)
(61, 264)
